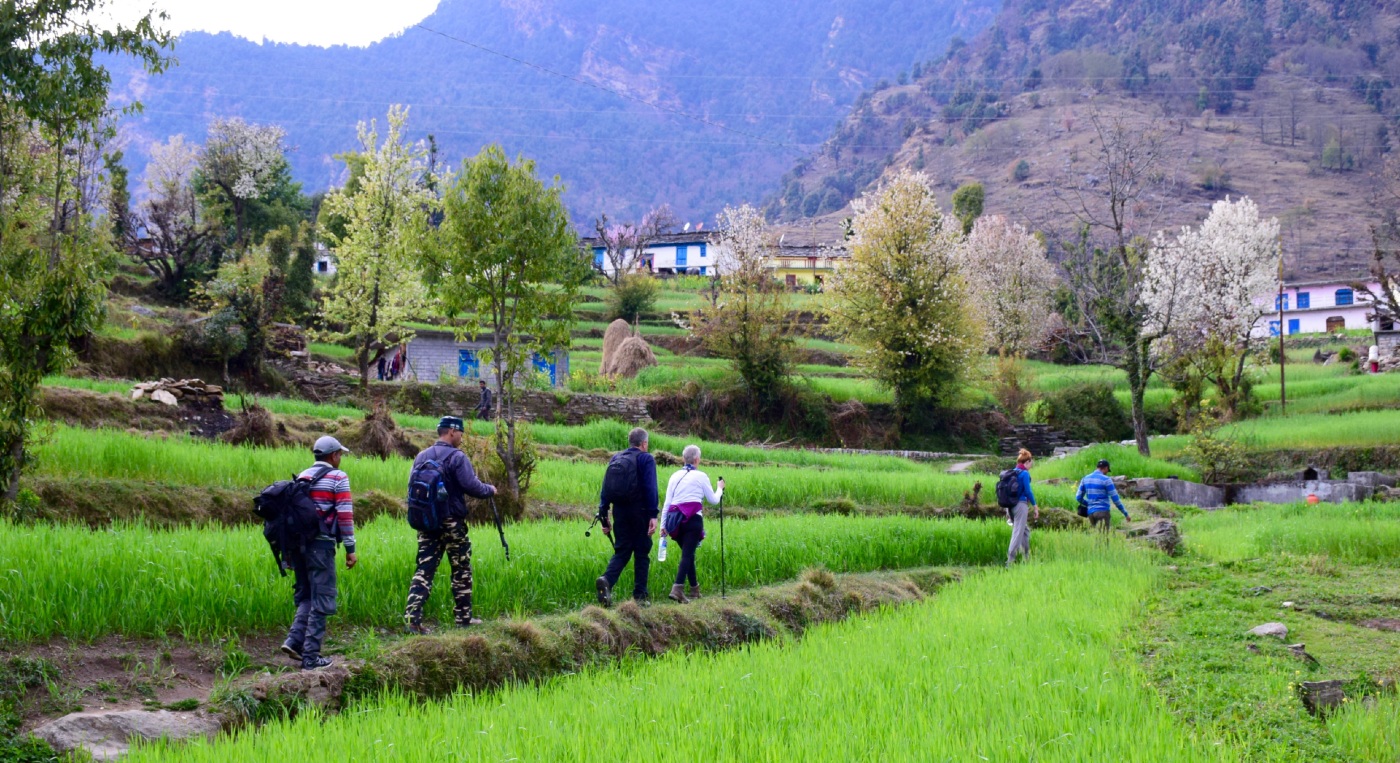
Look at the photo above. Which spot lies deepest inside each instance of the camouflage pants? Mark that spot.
(452, 540)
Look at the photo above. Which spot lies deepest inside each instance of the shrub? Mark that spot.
(631, 297)
(1011, 386)
(1087, 412)
(1220, 459)
(1346, 355)
(1021, 171)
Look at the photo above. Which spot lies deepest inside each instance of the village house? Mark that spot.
(1315, 307)
(432, 356)
(690, 252)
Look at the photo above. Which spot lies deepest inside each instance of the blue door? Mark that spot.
(682, 252)
(546, 365)
(1293, 325)
(468, 365)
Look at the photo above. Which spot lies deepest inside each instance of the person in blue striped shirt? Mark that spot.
(1097, 490)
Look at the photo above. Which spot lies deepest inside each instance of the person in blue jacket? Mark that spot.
(1096, 490)
(1020, 521)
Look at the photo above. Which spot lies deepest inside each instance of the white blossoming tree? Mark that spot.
(1207, 288)
(241, 162)
(1012, 282)
(378, 288)
(904, 296)
(172, 217)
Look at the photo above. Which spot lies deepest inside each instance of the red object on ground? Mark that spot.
(1312, 498)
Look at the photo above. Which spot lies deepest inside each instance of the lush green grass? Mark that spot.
(1019, 666)
(1359, 533)
(132, 580)
(117, 386)
(1364, 429)
(338, 351)
(1125, 460)
(181, 460)
(1369, 733)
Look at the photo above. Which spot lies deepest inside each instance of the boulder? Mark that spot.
(1277, 630)
(321, 688)
(1163, 534)
(107, 735)
(1322, 697)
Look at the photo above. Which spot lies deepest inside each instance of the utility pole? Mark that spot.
(1282, 329)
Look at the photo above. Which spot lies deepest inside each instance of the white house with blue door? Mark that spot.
(686, 253)
(1315, 307)
(437, 355)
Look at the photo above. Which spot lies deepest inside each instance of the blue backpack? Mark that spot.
(427, 497)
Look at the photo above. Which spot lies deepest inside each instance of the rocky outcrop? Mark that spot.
(172, 392)
(107, 735)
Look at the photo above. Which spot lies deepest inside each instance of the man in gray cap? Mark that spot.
(459, 478)
(314, 592)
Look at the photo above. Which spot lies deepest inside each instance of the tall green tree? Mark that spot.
(377, 288)
(967, 205)
(903, 298)
(507, 258)
(53, 250)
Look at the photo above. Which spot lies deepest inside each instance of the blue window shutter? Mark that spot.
(598, 256)
(702, 250)
(1304, 300)
(681, 251)
(1345, 297)
(1293, 325)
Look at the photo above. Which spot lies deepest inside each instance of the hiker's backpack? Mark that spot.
(427, 496)
(1009, 489)
(290, 518)
(620, 480)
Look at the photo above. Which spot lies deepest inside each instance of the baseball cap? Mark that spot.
(327, 445)
(451, 422)
(1103, 463)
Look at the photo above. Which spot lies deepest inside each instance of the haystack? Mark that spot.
(632, 355)
(255, 427)
(378, 435)
(617, 331)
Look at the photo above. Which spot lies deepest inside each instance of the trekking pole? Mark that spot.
(721, 544)
(588, 533)
(499, 528)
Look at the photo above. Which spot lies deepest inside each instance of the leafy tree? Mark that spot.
(967, 204)
(377, 288)
(244, 296)
(299, 299)
(506, 257)
(53, 252)
(241, 164)
(904, 299)
(181, 237)
(118, 197)
(748, 323)
(332, 226)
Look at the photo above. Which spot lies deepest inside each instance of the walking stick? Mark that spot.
(497, 514)
(588, 533)
(721, 544)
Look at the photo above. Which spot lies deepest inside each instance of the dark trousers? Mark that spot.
(314, 594)
(691, 533)
(483, 413)
(453, 542)
(633, 544)
(1103, 520)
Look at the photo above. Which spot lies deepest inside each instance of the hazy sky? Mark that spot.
(310, 22)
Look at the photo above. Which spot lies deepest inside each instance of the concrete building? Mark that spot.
(1316, 307)
(805, 265)
(436, 355)
(687, 253)
(324, 264)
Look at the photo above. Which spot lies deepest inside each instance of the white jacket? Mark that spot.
(688, 486)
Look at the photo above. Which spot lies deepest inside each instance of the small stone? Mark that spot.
(138, 393)
(1288, 605)
(1277, 630)
(1321, 697)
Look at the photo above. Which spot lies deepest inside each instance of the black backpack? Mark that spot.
(1009, 489)
(290, 518)
(620, 480)
(427, 496)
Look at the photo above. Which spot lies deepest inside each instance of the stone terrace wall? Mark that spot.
(546, 407)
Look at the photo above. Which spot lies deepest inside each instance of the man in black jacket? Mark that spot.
(635, 514)
(460, 480)
(483, 403)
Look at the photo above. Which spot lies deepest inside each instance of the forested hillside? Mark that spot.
(777, 75)
(1291, 102)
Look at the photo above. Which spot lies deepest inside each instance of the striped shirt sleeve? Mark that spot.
(332, 496)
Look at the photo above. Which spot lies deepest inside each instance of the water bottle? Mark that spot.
(661, 553)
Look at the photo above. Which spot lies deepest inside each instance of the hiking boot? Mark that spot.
(469, 623)
(694, 592)
(292, 652)
(316, 663)
(677, 594)
(604, 592)
(642, 601)
(419, 629)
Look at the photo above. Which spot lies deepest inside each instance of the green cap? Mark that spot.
(451, 422)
